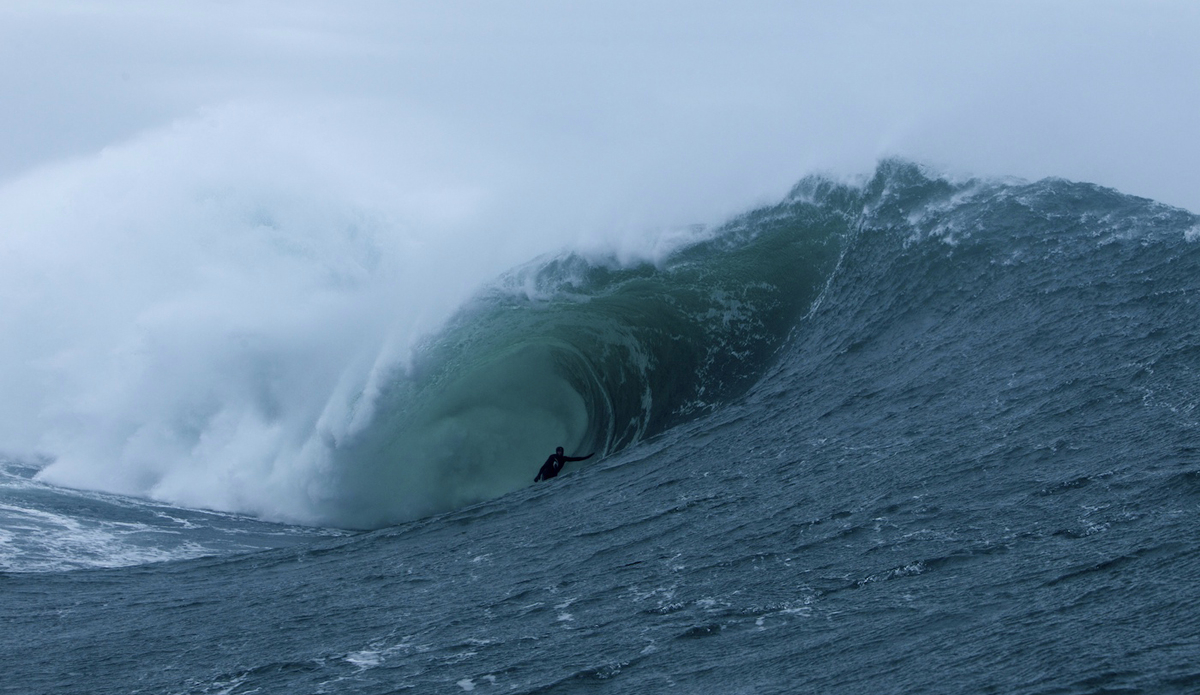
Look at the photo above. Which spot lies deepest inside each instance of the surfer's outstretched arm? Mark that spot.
(579, 458)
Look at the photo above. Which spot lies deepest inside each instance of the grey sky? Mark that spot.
(665, 111)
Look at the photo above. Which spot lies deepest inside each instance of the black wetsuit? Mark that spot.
(554, 464)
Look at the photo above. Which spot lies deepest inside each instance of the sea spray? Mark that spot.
(188, 314)
(214, 313)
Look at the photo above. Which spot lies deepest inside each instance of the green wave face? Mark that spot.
(589, 355)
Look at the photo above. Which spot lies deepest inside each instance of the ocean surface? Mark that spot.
(911, 434)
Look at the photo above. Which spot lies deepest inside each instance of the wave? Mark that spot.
(595, 352)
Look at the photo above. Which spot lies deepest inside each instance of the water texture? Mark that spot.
(910, 435)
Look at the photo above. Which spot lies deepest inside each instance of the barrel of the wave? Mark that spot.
(587, 353)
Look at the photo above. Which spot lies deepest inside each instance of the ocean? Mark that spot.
(905, 434)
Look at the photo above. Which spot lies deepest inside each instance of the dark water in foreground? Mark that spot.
(972, 465)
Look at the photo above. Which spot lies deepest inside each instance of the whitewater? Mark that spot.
(905, 433)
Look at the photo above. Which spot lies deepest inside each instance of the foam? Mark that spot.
(33, 540)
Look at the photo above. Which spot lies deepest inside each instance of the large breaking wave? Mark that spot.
(591, 351)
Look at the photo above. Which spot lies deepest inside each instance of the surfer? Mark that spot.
(555, 463)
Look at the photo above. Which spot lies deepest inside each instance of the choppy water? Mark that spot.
(918, 436)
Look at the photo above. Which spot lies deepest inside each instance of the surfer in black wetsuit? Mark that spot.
(555, 463)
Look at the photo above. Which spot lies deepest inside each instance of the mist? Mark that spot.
(223, 224)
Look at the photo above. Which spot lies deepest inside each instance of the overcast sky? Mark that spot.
(665, 111)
